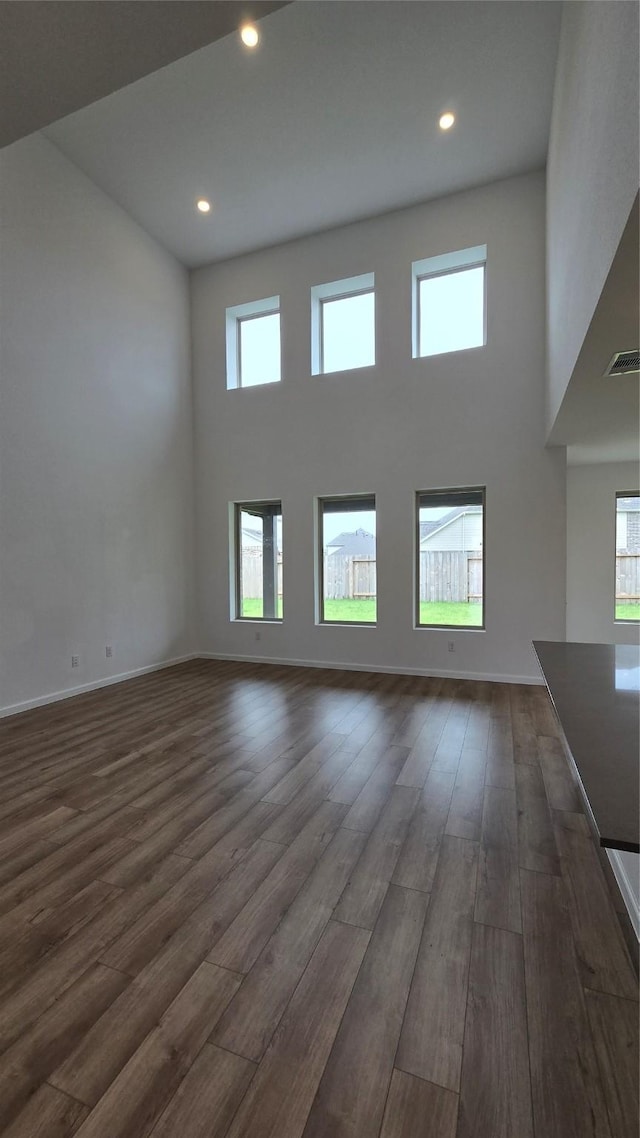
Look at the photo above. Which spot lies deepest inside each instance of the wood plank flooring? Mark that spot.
(243, 901)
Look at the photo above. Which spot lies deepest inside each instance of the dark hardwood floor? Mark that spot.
(271, 902)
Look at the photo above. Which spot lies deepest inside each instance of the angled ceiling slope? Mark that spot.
(56, 56)
(334, 118)
(599, 419)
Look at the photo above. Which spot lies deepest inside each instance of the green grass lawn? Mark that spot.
(627, 612)
(462, 614)
(363, 610)
(252, 606)
(444, 612)
(468, 615)
(465, 615)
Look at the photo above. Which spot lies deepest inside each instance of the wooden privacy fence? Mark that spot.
(252, 573)
(628, 577)
(349, 578)
(450, 575)
(444, 576)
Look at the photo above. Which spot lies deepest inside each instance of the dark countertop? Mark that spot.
(595, 691)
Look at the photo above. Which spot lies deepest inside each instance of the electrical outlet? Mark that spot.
(75, 661)
(108, 651)
(451, 646)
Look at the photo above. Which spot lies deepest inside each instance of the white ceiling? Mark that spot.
(333, 118)
(56, 57)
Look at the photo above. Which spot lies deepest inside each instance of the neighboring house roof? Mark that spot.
(429, 528)
(252, 538)
(360, 543)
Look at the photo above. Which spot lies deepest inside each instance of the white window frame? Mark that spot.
(350, 500)
(336, 290)
(435, 494)
(444, 265)
(632, 621)
(235, 316)
(236, 509)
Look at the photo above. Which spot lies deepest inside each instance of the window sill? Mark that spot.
(450, 352)
(449, 628)
(256, 620)
(343, 371)
(255, 386)
(346, 624)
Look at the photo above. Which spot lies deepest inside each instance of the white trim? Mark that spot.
(443, 673)
(628, 895)
(107, 681)
(448, 262)
(475, 257)
(335, 290)
(95, 685)
(348, 286)
(270, 306)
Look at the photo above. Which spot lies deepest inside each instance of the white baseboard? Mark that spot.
(94, 685)
(439, 673)
(629, 897)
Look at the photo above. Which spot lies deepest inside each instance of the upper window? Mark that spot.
(343, 325)
(253, 343)
(258, 560)
(449, 302)
(450, 558)
(627, 602)
(347, 542)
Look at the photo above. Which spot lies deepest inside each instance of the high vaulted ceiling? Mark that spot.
(333, 118)
(57, 56)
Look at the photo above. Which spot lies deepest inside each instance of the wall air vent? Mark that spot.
(623, 363)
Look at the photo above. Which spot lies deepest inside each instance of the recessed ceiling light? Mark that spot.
(203, 205)
(249, 35)
(447, 120)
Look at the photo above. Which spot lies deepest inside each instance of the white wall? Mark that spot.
(592, 171)
(95, 435)
(591, 537)
(470, 418)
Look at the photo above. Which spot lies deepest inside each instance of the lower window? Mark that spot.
(627, 600)
(348, 559)
(450, 558)
(258, 560)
